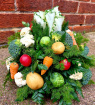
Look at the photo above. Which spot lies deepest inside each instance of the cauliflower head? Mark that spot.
(19, 79)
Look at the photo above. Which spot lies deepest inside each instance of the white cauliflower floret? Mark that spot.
(18, 77)
(25, 31)
(29, 36)
(76, 76)
(8, 62)
(27, 40)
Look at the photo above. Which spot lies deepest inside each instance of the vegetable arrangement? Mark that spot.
(50, 60)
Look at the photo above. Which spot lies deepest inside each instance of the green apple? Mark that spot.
(45, 40)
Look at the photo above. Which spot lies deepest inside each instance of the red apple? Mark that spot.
(66, 64)
(25, 60)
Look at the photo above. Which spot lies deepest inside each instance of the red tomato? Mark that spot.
(66, 64)
(25, 60)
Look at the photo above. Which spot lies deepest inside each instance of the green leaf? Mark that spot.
(22, 93)
(42, 66)
(20, 67)
(75, 96)
(41, 91)
(41, 56)
(60, 66)
(13, 37)
(63, 35)
(63, 92)
(54, 100)
(38, 97)
(45, 86)
(79, 90)
(65, 26)
(25, 71)
(34, 95)
(91, 82)
(61, 101)
(34, 66)
(75, 83)
(72, 52)
(86, 51)
(7, 78)
(80, 39)
(25, 24)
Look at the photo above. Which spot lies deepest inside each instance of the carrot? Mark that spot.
(72, 35)
(13, 69)
(48, 62)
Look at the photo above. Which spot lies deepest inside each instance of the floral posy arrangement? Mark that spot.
(48, 60)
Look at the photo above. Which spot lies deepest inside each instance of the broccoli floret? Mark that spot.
(15, 48)
(87, 74)
(86, 77)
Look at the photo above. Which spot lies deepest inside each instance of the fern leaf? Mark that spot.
(38, 96)
(23, 92)
(7, 78)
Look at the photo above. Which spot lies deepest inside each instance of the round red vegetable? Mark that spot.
(66, 64)
(25, 60)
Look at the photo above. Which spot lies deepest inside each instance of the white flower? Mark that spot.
(57, 12)
(18, 77)
(39, 18)
(58, 23)
(25, 31)
(76, 76)
(27, 40)
(52, 18)
(8, 62)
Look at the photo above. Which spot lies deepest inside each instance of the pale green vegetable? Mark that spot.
(57, 79)
(45, 40)
(56, 36)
